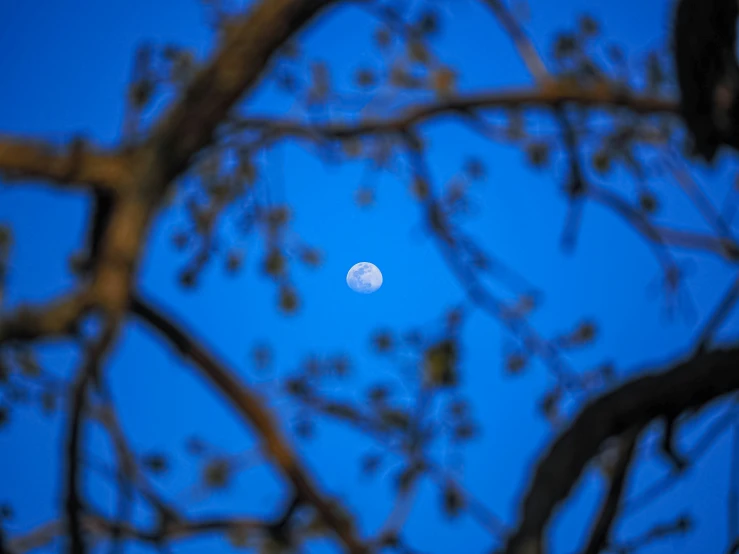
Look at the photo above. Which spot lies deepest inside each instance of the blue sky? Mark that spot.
(65, 69)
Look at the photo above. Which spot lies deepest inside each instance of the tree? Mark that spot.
(598, 119)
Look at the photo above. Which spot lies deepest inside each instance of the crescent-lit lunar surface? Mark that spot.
(364, 278)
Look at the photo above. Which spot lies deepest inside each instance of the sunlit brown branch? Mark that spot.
(249, 45)
(54, 320)
(75, 165)
(686, 386)
(547, 96)
(252, 409)
(101, 528)
(599, 535)
(187, 127)
(521, 40)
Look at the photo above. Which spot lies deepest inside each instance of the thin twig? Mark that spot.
(252, 409)
(599, 536)
(477, 293)
(702, 203)
(660, 531)
(639, 501)
(87, 374)
(732, 511)
(127, 469)
(719, 315)
(521, 40)
(73, 503)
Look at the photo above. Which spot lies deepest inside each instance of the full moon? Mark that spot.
(364, 278)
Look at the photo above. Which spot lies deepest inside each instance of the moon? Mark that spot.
(364, 278)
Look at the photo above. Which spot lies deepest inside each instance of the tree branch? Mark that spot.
(102, 527)
(686, 386)
(21, 159)
(249, 44)
(53, 320)
(253, 410)
(660, 531)
(523, 43)
(87, 374)
(602, 528)
(549, 95)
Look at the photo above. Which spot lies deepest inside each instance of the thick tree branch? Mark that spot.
(249, 44)
(21, 159)
(252, 409)
(686, 386)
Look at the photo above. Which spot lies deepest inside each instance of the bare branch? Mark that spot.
(475, 289)
(57, 319)
(523, 43)
(635, 504)
(102, 528)
(660, 236)
(719, 315)
(87, 374)
(700, 200)
(252, 409)
(732, 509)
(550, 95)
(21, 159)
(686, 386)
(602, 528)
(128, 473)
(248, 46)
(73, 502)
(680, 526)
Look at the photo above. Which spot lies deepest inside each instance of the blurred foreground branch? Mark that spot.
(250, 406)
(668, 393)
